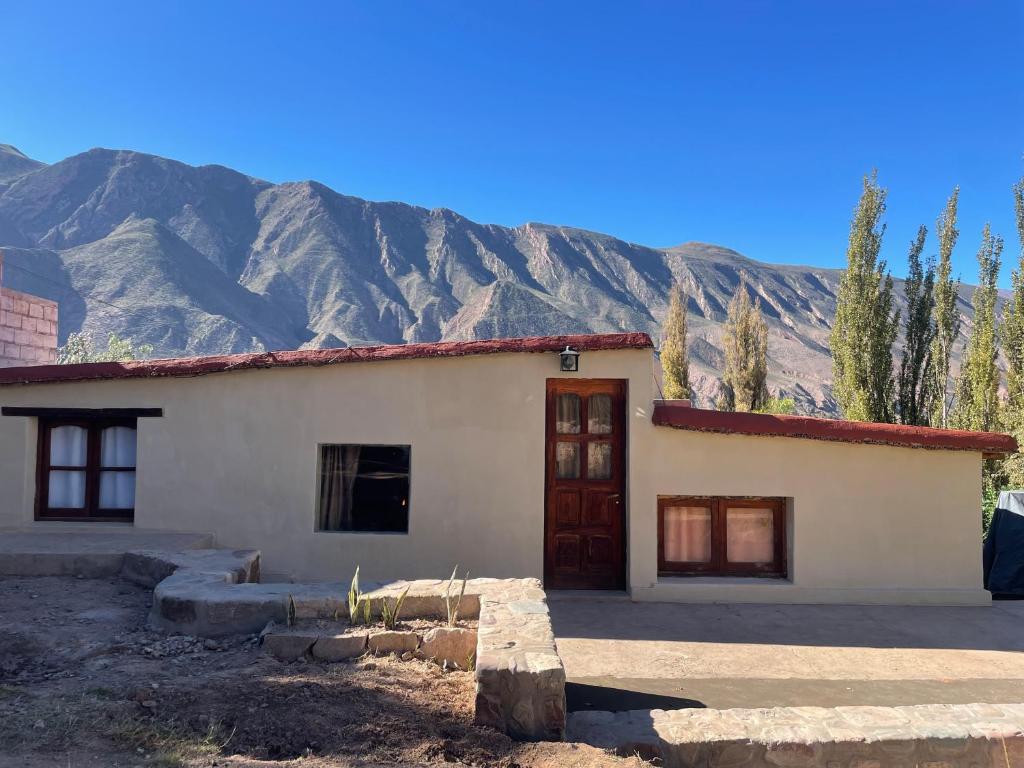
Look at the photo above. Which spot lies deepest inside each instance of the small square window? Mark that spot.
(364, 488)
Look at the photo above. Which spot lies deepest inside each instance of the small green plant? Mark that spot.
(366, 611)
(355, 596)
(290, 617)
(388, 613)
(452, 605)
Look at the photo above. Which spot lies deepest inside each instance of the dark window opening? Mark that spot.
(364, 488)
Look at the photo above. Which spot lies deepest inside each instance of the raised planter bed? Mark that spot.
(520, 680)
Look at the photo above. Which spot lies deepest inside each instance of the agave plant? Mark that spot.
(290, 616)
(354, 598)
(389, 613)
(450, 604)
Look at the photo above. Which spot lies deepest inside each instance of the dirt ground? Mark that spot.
(84, 684)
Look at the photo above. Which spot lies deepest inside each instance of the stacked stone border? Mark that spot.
(927, 736)
(453, 647)
(520, 680)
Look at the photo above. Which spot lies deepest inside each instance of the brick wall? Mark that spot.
(28, 329)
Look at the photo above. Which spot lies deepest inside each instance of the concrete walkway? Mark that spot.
(620, 655)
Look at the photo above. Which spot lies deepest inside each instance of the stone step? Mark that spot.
(75, 550)
(936, 736)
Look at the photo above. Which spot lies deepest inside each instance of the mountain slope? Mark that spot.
(14, 164)
(198, 260)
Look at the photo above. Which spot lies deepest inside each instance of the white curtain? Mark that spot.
(117, 449)
(687, 534)
(750, 535)
(67, 490)
(67, 449)
(67, 446)
(117, 490)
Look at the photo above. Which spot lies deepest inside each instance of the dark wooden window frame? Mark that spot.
(719, 565)
(362, 531)
(91, 510)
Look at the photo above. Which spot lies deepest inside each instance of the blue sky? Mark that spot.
(747, 124)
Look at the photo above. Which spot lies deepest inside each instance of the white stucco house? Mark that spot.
(505, 458)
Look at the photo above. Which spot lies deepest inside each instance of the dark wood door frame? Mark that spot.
(584, 518)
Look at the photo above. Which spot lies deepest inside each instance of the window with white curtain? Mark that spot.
(722, 536)
(87, 469)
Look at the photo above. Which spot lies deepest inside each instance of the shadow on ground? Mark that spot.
(581, 697)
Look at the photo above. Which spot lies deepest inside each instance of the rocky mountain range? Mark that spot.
(203, 260)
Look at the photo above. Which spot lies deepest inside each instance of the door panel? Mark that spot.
(585, 482)
(567, 511)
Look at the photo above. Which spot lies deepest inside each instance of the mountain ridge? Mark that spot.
(208, 260)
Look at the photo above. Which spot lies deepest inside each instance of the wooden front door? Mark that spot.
(585, 482)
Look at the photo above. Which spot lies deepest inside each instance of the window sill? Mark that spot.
(746, 581)
(363, 533)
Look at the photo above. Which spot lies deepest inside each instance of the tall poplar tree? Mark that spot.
(976, 398)
(745, 380)
(865, 326)
(947, 317)
(1012, 337)
(915, 377)
(1013, 318)
(675, 361)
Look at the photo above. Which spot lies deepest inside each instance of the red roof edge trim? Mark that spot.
(198, 366)
(991, 444)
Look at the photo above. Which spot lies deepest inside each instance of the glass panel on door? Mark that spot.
(599, 414)
(567, 461)
(567, 415)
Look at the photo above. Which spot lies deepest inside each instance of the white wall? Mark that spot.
(236, 455)
(867, 523)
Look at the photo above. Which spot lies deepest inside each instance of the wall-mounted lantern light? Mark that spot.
(570, 359)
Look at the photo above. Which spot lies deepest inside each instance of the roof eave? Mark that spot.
(989, 444)
(199, 366)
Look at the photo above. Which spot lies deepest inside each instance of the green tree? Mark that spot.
(915, 376)
(675, 361)
(976, 396)
(1012, 337)
(745, 380)
(865, 325)
(779, 405)
(946, 315)
(81, 348)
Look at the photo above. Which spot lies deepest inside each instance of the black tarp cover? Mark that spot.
(1004, 547)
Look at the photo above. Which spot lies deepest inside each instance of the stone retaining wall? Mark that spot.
(930, 736)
